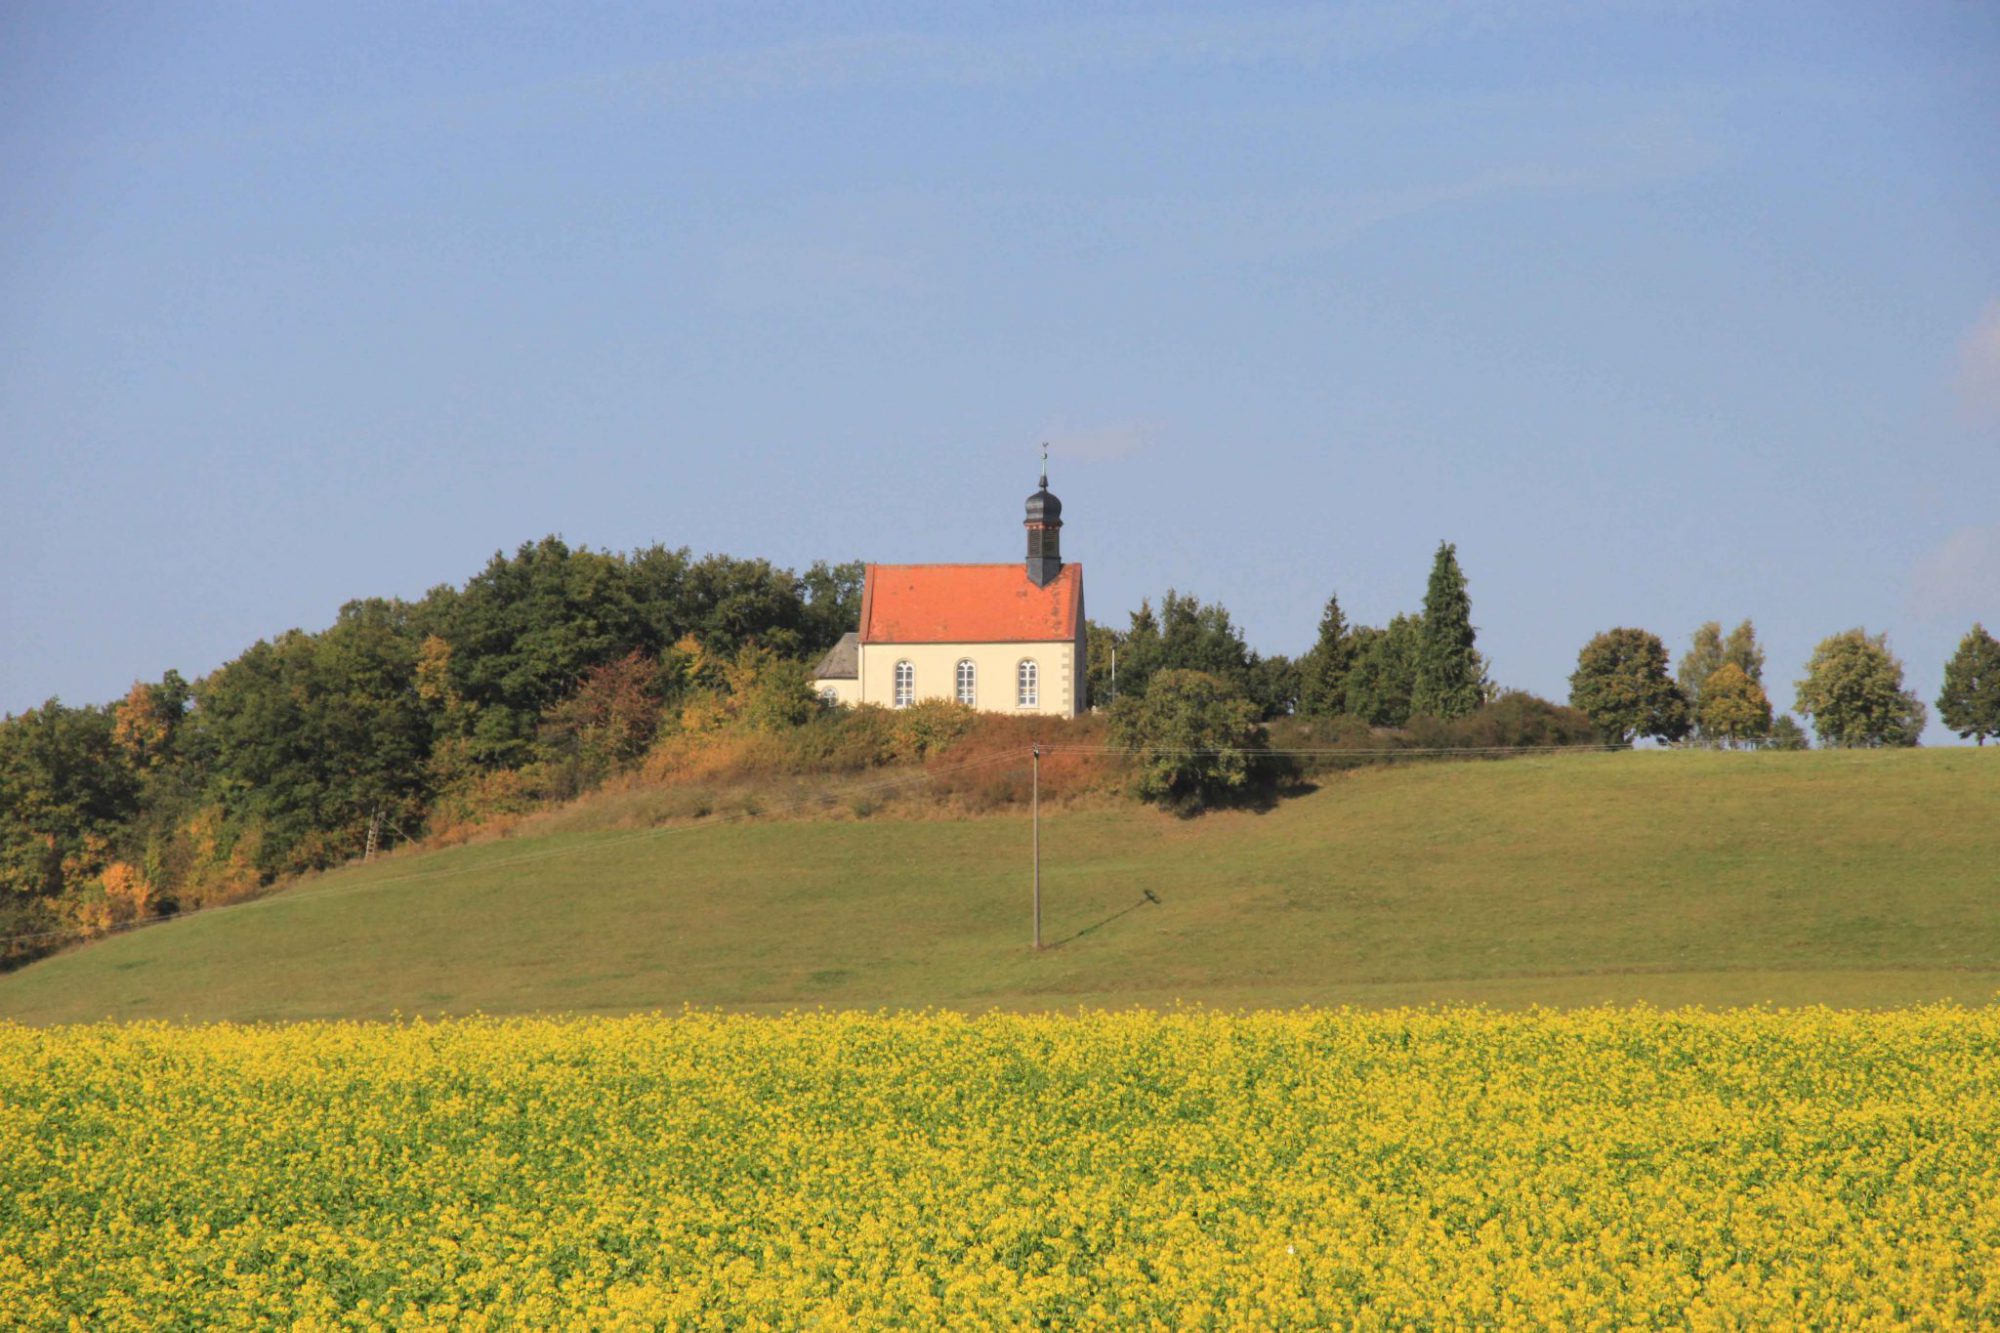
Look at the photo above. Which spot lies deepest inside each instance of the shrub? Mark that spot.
(1195, 739)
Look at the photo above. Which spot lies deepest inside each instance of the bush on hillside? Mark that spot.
(1194, 739)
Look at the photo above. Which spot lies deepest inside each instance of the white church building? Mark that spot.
(1000, 638)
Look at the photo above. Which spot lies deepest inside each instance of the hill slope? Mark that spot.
(1854, 878)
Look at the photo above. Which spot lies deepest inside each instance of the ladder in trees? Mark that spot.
(374, 835)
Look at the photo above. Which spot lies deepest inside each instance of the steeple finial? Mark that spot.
(1045, 464)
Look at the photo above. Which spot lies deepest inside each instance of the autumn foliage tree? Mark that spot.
(1734, 709)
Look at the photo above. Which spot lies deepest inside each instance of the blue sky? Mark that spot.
(1662, 313)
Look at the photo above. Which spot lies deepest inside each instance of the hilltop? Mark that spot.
(1678, 877)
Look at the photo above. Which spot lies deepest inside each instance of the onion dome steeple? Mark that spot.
(1044, 524)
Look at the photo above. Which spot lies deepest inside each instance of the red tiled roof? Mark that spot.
(968, 604)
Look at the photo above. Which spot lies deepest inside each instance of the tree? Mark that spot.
(833, 602)
(1709, 652)
(607, 723)
(1139, 652)
(1194, 737)
(1734, 708)
(1186, 636)
(1621, 683)
(1970, 704)
(1449, 681)
(1742, 648)
(1702, 660)
(1273, 685)
(1198, 637)
(1853, 693)
(1787, 734)
(1101, 646)
(1384, 675)
(1324, 668)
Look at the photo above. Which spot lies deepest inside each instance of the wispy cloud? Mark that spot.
(1297, 36)
(1979, 368)
(1112, 442)
(1960, 578)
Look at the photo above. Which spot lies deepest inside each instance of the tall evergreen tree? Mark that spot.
(1323, 671)
(1970, 704)
(1448, 670)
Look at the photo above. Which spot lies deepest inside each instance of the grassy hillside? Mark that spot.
(1860, 878)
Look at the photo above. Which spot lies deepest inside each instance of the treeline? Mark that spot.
(1422, 664)
(547, 670)
(1852, 692)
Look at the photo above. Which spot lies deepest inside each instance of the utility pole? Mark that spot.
(1035, 805)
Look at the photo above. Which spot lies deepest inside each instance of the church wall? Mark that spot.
(936, 667)
(844, 691)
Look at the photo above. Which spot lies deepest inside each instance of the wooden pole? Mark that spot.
(1035, 804)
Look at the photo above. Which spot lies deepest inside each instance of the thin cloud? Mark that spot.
(1960, 579)
(1305, 35)
(1111, 443)
(1979, 367)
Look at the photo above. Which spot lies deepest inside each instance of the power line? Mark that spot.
(1591, 748)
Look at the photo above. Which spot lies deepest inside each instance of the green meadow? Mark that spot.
(1847, 878)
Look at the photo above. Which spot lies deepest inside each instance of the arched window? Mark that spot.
(968, 682)
(829, 695)
(1030, 680)
(906, 684)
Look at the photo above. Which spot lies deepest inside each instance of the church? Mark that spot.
(999, 638)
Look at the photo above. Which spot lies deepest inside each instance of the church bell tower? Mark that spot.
(1044, 524)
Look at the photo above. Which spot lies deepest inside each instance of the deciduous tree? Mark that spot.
(1734, 708)
(1194, 736)
(1621, 683)
(1853, 693)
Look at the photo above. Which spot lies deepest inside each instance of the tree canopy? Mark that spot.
(1734, 709)
(1194, 737)
(1621, 684)
(1970, 703)
(1853, 693)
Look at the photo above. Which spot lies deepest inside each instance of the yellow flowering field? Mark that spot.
(1432, 1169)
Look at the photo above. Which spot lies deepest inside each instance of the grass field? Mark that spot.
(1844, 878)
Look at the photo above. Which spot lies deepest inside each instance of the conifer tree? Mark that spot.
(1448, 668)
(1384, 673)
(1970, 704)
(1323, 671)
